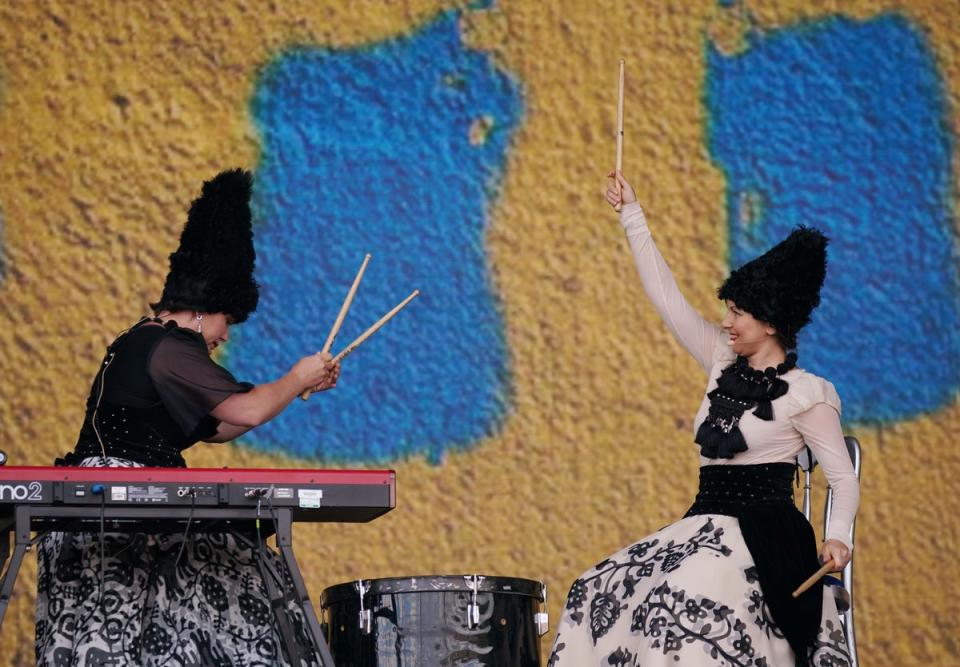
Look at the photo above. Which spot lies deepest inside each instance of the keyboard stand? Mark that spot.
(28, 518)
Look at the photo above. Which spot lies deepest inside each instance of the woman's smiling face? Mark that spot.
(215, 329)
(746, 332)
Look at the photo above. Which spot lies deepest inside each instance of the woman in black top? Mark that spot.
(122, 599)
(159, 392)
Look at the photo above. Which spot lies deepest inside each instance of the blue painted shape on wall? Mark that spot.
(843, 125)
(396, 149)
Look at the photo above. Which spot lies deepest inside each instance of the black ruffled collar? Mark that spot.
(740, 388)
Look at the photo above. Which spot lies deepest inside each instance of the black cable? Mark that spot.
(267, 569)
(99, 604)
(103, 563)
(130, 543)
(96, 408)
(103, 552)
(284, 570)
(259, 550)
(259, 554)
(186, 531)
(111, 353)
(262, 547)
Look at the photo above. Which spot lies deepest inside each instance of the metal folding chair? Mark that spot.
(843, 593)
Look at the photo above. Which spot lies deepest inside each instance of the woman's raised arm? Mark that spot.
(698, 336)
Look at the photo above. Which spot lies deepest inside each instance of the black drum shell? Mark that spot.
(422, 621)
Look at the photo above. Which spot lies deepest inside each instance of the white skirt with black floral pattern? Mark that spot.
(205, 606)
(687, 595)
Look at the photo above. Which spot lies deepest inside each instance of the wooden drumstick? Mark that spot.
(346, 305)
(341, 315)
(373, 329)
(619, 167)
(827, 568)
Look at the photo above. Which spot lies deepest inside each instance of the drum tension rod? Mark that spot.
(366, 616)
(473, 609)
(542, 618)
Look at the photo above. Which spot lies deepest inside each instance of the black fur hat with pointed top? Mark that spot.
(782, 286)
(212, 270)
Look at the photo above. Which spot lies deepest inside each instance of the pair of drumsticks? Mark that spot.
(343, 313)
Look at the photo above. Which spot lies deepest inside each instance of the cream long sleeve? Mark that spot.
(808, 414)
(698, 336)
(820, 428)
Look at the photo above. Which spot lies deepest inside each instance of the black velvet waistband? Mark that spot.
(736, 486)
(780, 540)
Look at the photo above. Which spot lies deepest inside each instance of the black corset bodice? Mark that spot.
(145, 435)
(126, 411)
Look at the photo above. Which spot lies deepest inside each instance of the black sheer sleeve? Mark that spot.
(189, 382)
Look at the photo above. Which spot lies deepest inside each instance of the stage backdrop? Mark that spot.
(535, 409)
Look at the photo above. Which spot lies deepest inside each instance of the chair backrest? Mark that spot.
(807, 462)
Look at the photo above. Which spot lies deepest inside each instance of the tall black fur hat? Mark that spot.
(212, 270)
(782, 286)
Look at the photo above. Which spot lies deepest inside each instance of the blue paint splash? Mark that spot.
(395, 149)
(843, 125)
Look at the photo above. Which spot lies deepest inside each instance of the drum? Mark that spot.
(435, 620)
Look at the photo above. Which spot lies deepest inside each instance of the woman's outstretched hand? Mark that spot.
(623, 195)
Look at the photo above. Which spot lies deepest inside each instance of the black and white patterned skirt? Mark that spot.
(687, 595)
(138, 600)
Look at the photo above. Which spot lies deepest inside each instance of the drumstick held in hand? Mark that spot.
(619, 167)
(373, 329)
(346, 305)
(827, 568)
(341, 315)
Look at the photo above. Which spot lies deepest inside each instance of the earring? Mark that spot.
(199, 323)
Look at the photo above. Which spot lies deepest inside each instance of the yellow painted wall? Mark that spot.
(112, 113)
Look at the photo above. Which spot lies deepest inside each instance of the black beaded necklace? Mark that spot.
(740, 388)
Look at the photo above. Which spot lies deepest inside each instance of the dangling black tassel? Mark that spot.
(778, 387)
(715, 443)
(732, 443)
(708, 439)
(764, 410)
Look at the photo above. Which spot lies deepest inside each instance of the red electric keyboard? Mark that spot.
(43, 499)
(314, 495)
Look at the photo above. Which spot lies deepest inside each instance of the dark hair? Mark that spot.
(787, 342)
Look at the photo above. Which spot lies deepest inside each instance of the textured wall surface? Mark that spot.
(406, 171)
(537, 412)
